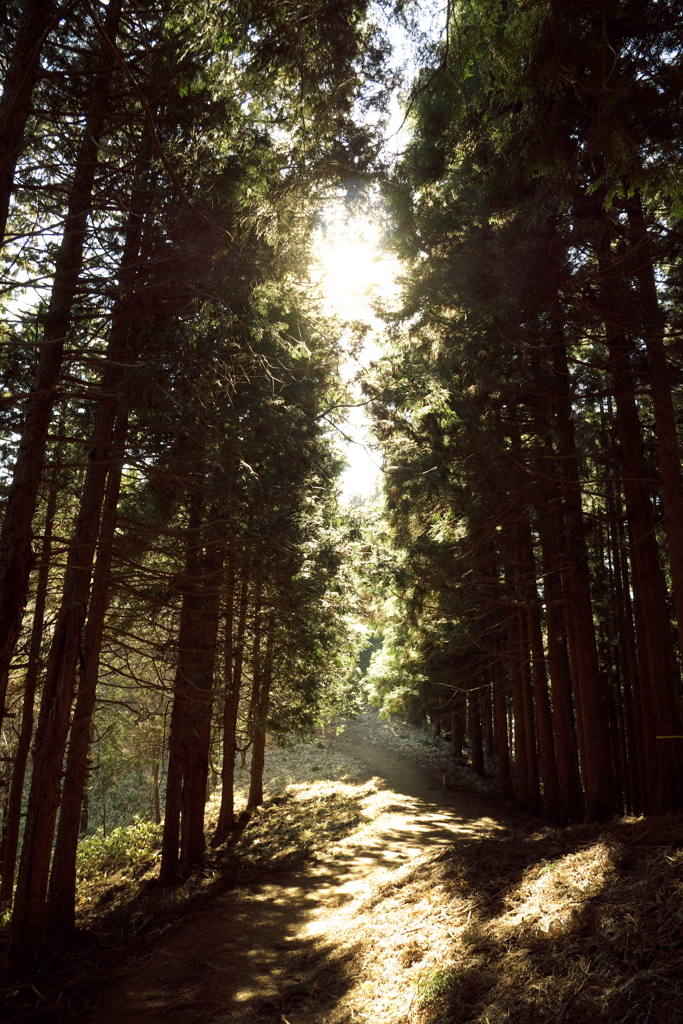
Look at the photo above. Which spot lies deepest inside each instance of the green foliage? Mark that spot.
(510, 118)
(126, 847)
(120, 785)
(435, 983)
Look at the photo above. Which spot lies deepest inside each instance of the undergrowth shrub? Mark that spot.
(100, 855)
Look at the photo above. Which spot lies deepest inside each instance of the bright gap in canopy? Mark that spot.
(358, 280)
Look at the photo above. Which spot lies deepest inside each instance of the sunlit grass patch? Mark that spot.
(308, 818)
(528, 928)
(434, 983)
(298, 764)
(550, 894)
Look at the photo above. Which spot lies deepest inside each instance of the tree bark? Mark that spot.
(234, 657)
(628, 660)
(458, 716)
(524, 796)
(183, 843)
(551, 783)
(662, 402)
(58, 691)
(487, 717)
(661, 686)
(262, 691)
(177, 742)
(569, 776)
(256, 733)
(476, 733)
(534, 782)
(28, 919)
(591, 706)
(13, 817)
(500, 717)
(62, 887)
(198, 721)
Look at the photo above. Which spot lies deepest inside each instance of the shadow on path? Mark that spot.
(248, 956)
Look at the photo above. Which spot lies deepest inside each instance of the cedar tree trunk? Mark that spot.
(62, 888)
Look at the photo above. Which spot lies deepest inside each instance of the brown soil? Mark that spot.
(253, 954)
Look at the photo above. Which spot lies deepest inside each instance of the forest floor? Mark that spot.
(364, 891)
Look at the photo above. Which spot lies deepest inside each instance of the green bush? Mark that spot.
(124, 847)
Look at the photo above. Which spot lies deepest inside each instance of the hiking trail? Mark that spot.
(247, 957)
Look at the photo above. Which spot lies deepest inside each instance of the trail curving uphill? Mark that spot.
(252, 954)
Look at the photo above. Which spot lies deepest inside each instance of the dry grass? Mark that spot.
(289, 830)
(574, 925)
(316, 801)
(528, 925)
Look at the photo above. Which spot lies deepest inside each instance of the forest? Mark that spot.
(180, 579)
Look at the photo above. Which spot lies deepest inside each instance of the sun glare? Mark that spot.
(351, 269)
(354, 272)
(357, 280)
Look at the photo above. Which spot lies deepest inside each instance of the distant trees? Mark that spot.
(529, 411)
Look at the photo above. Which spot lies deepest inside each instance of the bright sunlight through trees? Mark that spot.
(357, 280)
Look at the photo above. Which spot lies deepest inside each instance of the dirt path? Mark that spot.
(248, 958)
